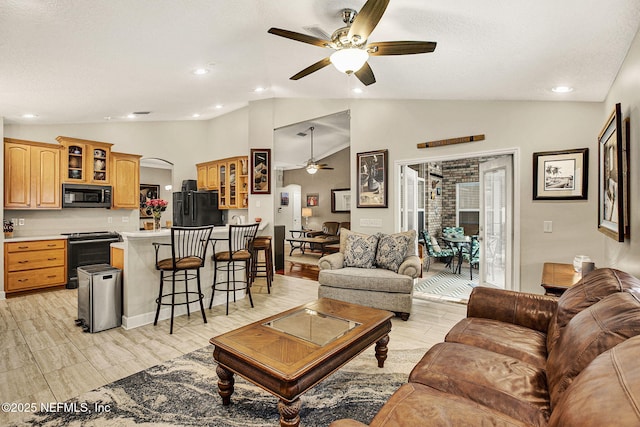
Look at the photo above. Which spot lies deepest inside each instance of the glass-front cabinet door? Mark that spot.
(233, 184)
(222, 186)
(85, 161)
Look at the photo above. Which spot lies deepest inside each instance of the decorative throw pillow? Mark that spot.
(360, 251)
(391, 251)
(434, 244)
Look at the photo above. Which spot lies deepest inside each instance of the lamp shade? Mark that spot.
(307, 212)
(349, 60)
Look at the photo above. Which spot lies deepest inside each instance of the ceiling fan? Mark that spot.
(312, 166)
(350, 43)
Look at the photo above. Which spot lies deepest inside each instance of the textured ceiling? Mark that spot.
(79, 61)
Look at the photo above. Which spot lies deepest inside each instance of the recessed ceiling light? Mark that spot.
(357, 90)
(562, 89)
(29, 116)
(195, 115)
(107, 117)
(131, 116)
(200, 71)
(219, 106)
(259, 89)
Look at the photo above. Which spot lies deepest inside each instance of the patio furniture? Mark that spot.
(434, 250)
(472, 256)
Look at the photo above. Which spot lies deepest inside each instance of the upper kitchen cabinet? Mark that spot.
(31, 175)
(233, 183)
(125, 177)
(208, 175)
(84, 161)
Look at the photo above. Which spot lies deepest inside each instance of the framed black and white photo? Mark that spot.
(260, 171)
(611, 208)
(148, 192)
(372, 179)
(561, 175)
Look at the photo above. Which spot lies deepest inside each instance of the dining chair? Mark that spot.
(434, 250)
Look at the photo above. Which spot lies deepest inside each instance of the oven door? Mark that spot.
(87, 252)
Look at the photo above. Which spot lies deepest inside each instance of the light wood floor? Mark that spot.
(44, 357)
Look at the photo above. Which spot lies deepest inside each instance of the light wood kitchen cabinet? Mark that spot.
(85, 161)
(208, 175)
(233, 183)
(125, 174)
(34, 265)
(31, 175)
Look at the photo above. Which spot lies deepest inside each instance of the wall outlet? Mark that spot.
(21, 221)
(125, 219)
(14, 221)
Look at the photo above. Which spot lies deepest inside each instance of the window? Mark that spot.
(468, 207)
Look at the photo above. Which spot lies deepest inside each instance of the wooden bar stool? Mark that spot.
(262, 268)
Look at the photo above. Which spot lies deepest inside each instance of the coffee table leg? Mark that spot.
(289, 413)
(225, 384)
(381, 350)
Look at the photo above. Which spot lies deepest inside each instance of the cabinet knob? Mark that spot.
(51, 259)
(51, 276)
(23, 262)
(23, 247)
(23, 280)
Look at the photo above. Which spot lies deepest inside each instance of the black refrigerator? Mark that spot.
(194, 208)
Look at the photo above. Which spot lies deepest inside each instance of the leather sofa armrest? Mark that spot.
(520, 308)
(332, 261)
(347, 423)
(411, 266)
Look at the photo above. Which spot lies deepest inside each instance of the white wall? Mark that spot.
(626, 91)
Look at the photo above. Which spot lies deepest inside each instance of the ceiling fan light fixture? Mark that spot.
(312, 168)
(349, 60)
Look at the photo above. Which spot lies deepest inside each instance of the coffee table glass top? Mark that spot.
(312, 326)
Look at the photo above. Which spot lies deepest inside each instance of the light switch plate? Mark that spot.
(548, 226)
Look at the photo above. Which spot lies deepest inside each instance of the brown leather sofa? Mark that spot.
(521, 359)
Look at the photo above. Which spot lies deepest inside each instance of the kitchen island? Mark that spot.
(141, 280)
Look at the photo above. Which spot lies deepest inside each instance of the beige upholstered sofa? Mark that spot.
(375, 286)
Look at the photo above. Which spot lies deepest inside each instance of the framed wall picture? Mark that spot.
(284, 199)
(313, 199)
(372, 179)
(147, 192)
(341, 200)
(561, 175)
(626, 164)
(260, 171)
(611, 209)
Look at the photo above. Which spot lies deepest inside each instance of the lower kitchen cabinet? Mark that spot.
(34, 264)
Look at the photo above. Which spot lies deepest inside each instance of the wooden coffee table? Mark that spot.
(291, 352)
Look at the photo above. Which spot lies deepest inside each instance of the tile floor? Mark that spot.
(44, 357)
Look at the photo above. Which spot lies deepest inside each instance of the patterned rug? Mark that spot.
(184, 392)
(446, 286)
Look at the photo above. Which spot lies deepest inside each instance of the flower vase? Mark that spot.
(156, 223)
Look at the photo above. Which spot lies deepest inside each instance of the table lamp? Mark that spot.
(306, 213)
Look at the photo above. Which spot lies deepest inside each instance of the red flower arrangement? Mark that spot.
(156, 207)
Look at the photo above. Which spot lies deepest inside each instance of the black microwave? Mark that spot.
(86, 196)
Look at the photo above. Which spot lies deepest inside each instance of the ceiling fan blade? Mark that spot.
(400, 48)
(324, 167)
(304, 38)
(365, 75)
(367, 19)
(311, 69)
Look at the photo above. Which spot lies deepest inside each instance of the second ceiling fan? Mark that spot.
(350, 43)
(312, 166)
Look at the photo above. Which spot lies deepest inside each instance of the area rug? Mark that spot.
(446, 286)
(184, 392)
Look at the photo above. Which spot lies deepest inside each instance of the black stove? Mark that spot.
(87, 248)
(90, 235)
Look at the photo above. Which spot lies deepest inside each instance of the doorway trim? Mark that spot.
(514, 152)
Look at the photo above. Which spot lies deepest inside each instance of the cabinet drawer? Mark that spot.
(32, 279)
(36, 245)
(19, 261)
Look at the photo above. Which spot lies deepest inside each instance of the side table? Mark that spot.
(557, 278)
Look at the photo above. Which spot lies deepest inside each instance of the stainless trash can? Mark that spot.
(99, 297)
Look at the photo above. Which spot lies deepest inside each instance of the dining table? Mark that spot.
(457, 243)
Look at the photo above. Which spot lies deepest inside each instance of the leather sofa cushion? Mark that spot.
(499, 382)
(517, 341)
(419, 405)
(374, 279)
(607, 392)
(590, 333)
(592, 288)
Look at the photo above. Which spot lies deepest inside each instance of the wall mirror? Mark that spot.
(341, 200)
